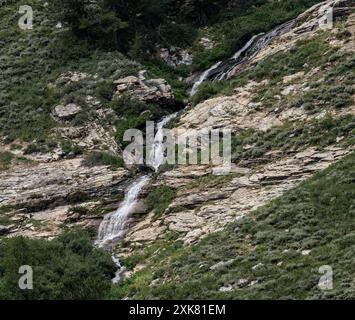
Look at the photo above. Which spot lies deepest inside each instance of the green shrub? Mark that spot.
(6, 158)
(104, 158)
(32, 148)
(160, 198)
(266, 245)
(68, 268)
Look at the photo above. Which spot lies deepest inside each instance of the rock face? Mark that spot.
(66, 112)
(148, 90)
(201, 208)
(55, 180)
(195, 214)
(47, 191)
(207, 43)
(174, 56)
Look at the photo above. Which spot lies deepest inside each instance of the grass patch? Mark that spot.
(104, 159)
(160, 198)
(290, 137)
(6, 158)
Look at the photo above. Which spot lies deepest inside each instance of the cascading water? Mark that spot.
(224, 70)
(158, 151)
(113, 226)
(203, 78)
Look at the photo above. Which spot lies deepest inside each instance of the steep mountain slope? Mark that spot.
(292, 112)
(286, 127)
(62, 119)
(272, 253)
(262, 231)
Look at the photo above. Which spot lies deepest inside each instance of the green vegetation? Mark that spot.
(132, 113)
(160, 198)
(104, 158)
(5, 160)
(65, 268)
(305, 56)
(137, 28)
(238, 25)
(209, 181)
(333, 92)
(34, 61)
(294, 137)
(266, 248)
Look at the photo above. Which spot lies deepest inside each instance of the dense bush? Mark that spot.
(136, 27)
(65, 268)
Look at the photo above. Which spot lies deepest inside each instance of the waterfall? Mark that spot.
(224, 70)
(202, 78)
(158, 151)
(113, 225)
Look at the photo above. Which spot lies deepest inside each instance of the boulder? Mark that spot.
(147, 90)
(65, 112)
(175, 56)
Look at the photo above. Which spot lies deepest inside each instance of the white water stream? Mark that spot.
(203, 77)
(223, 70)
(113, 226)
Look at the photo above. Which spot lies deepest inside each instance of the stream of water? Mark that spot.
(224, 70)
(113, 226)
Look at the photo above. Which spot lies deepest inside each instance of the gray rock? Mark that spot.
(65, 112)
(222, 265)
(148, 90)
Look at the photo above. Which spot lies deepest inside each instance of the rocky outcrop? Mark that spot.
(66, 112)
(207, 43)
(195, 214)
(175, 56)
(148, 90)
(42, 195)
(24, 185)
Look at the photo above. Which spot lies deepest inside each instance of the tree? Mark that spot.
(68, 267)
(95, 20)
